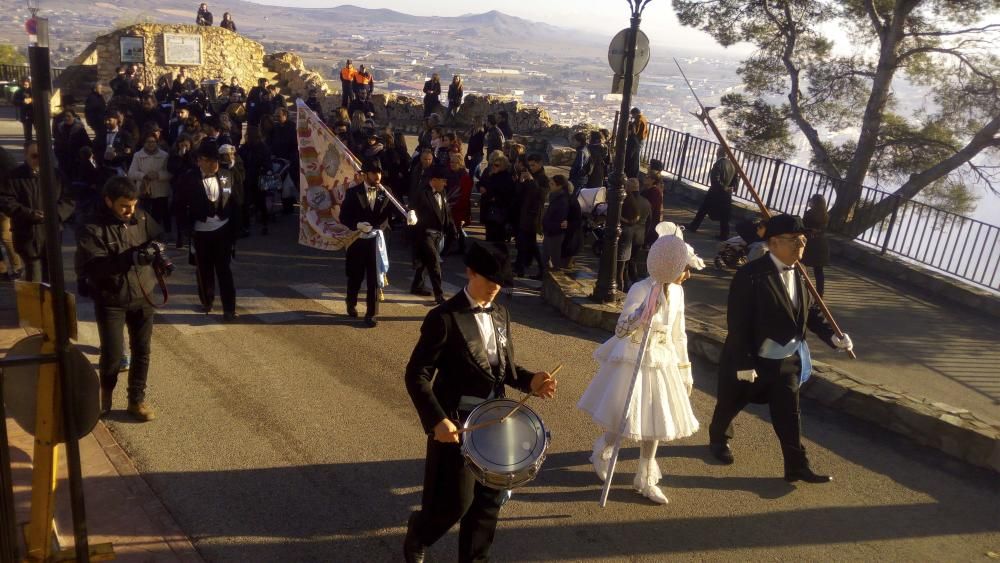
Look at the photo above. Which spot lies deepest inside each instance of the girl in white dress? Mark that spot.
(660, 409)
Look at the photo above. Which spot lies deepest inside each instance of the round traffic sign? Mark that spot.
(617, 49)
(31, 26)
(20, 384)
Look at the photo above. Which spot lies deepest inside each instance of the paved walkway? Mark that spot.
(928, 349)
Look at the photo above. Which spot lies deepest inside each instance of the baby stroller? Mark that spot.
(733, 252)
(594, 207)
(271, 183)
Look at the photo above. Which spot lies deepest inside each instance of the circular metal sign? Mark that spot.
(20, 384)
(618, 48)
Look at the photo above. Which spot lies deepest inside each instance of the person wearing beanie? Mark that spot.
(367, 208)
(209, 200)
(765, 358)
(464, 357)
(434, 223)
(660, 409)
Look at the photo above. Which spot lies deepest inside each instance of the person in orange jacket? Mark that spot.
(347, 84)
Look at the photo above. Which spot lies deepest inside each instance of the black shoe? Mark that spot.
(807, 475)
(439, 299)
(420, 291)
(538, 276)
(206, 309)
(352, 311)
(229, 317)
(245, 233)
(264, 230)
(691, 229)
(722, 453)
(518, 273)
(413, 550)
(371, 322)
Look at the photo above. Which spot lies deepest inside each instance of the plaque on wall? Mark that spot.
(181, 49)
(132, 49)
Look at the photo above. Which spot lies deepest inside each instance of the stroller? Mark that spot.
(271, 183)
(735, 251)
(594, 207)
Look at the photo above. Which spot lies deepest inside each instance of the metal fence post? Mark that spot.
(684, 149)
(892, 222)
(774, 182)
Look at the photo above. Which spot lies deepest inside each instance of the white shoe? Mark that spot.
(653, 493)
(601, 458)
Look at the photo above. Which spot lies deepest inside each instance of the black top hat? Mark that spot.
(437, 171)
(208, 149)
(491, 261)
(371, 165)
(784, 224)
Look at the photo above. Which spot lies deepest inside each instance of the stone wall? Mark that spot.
(224, 54)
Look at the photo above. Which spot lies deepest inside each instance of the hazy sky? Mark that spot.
(600, 16)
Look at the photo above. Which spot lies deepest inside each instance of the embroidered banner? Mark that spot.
(326, 170)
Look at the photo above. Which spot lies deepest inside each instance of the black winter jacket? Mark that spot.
(104, 259)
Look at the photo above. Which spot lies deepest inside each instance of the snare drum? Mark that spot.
(509, 454)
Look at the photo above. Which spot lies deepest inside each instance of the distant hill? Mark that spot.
(72, 19)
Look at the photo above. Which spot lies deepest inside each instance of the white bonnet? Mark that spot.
(669, 256)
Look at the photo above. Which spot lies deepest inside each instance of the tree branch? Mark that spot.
(876, 20)
(984, 29)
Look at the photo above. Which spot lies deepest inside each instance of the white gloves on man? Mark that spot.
(411, 217)
(365, 227)
(746, 375)
(843, 344)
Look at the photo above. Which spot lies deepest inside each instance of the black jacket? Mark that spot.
(532, 202)
(124, 145)
(637, 211)
(204, 17)
(759, 309)
(25, 110)
(556, 213)
(20, 194)
(355, 209)
(429, 215)
(450, 361)
(104, 259)
(193, 203)
(599, 165)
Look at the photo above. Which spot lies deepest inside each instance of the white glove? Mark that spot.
(365, 227)
(843, 344)
(746, 375)
(411, 217)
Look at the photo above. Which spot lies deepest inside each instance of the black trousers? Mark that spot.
(777, 384)
(159, 209)
(452, 494)
(111, 321)
(27, 126)
(527, 251)
(427, 259)
(36, 268)
(722, 204)
(213, 251)
(360, 264)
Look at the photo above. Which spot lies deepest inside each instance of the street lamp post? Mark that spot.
(41, 93)
(605, 289)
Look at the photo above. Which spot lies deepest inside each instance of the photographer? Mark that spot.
(115, 259)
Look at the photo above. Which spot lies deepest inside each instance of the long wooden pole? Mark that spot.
(707, 120)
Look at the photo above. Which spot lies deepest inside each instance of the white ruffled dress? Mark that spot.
(660, 408)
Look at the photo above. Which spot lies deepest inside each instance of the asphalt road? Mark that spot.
(289, 436)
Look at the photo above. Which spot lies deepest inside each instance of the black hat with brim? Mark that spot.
(784, 224)
(371, 166)
(437, 171)
(208, 149)
(491, 261)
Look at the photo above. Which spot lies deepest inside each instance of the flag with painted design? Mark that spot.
(326, 170)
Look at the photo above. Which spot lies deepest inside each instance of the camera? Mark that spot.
(155, 253)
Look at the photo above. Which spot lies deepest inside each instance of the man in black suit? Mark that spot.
(366, 208)
(718, 202)
(210, 201)
(765, 357)
(465, 356)
(434, 223)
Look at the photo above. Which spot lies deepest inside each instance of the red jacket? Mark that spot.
(460, 196)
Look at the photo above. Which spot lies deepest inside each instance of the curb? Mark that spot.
(171, 532)
(955, 431)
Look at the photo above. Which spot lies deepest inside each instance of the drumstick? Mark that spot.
(506, 416)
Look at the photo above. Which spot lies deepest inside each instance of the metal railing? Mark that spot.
(17, 73)
(956, 245)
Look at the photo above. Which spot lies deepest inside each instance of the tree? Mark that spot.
(9, 55)
(942, 47)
